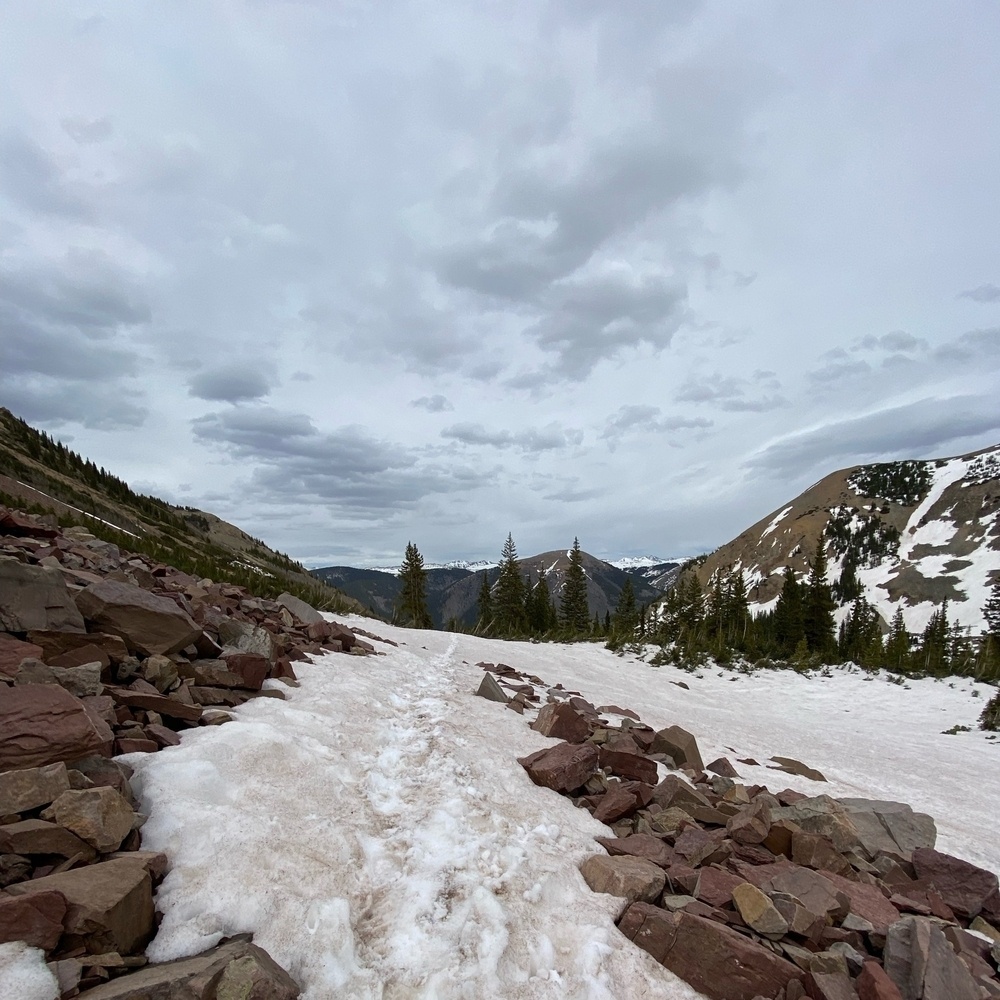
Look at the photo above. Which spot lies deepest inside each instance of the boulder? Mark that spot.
(866, 902)
(963, 886)
(723, 766)
(110, 904)
(919, 960)
(615, 803)
(830, 986)
(633, 766)
(792, 766)
(305, 613)
(563, 768)
(41, 724)
(36, 836)
(13, 652)
(812, 890)
(34, 597)
(713, 958)
(889, 826)
(823, 815)
(628, 877)
(251, 668)
(236, 970)
(83, 681)
(751, 824)
(715, 886)
(640, 845)
(242, 637)
(56, 644)
(758, 911)
(874, 984)
(102, 771)
(680, 745)
(173, 708)
(37, 919)
(31, 787)
(561, 721)
(160, 671)
(491, 690)
(675, 791)
(100, 816)
(148, 624)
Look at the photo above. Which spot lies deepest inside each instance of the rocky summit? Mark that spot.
(105, 653)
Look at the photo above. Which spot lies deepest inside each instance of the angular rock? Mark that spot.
(675, 791)
(491, 691)
(723, 766)
(31, 787)
(792, 766)
(919, 960)
(830, 986)
(811, 850)
(56, 644)
(563, 768)
(148, 624)
(679, 744)
(246, 638)
(695, 844)
(13, 652)
(101, 771)
(160, 671)
(305, 613)
(616, 803)
(823, 815)
(889, 826)
(715, 886)
(82, 655)
(874, 984)
(629, 765)
(33, 597)
(252, 668)
(13, 868)
(110, 904)
(717, 961)
(639, 845)
(100, 816)
(630, 878)
(866, 902)
(562, 722)
(236, 970)
(171, 707)
(41, 724)
(758, 911)
(751, 824)
(812, 890)
(963, 886)
(36, 836)
(37, 919)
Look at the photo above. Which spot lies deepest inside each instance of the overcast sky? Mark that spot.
(353, 273)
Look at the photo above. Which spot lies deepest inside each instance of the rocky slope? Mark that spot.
(41, 475)
(916, 532)
(104, 652)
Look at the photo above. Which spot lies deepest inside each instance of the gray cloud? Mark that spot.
(910, 430)
(231, 384)
(839, 371)
(355, 472)
(549, 438)
(57, 402)
(645, 418)
(978, 346)
(731, 393)
(88, 130)
(32, 180)
(984, 293)
(432, 404)
(897, 341)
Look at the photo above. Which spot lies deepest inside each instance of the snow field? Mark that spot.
(377, 835)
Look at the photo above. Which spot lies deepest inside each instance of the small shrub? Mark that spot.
(990, 719)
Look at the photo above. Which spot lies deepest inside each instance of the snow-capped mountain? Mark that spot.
(914, 533)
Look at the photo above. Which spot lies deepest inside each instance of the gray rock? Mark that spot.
(919, 960)
(305, 613)
(490, 690)
(628, 877)
(32, 597)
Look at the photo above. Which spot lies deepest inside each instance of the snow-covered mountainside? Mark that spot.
(914, 533)
(378, 836)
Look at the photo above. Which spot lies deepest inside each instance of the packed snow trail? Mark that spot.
(378, 837)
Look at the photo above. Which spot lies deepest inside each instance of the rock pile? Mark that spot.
(748, 894)
(104, 653)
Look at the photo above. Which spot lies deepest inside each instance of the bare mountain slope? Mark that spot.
(915, 532)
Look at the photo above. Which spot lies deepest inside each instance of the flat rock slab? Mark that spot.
(36, 836)
(630, 878)
(713, 958)
(236, 970)
(170, 707)
(110, 904)
(13, 651)
(34, 597)
(963, 886)
(148, 624)
(305, 613)
(41, 724)
(29, 788)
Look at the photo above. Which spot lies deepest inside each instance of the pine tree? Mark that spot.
(991, 610)
(574, 612)
(933, 652)
(508, 601)
(626, 616)
(788, 615)
(484, 617)
(818, 625)
(897, 645)
(411, 609)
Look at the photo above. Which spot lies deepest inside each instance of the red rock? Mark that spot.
(32, 597)
(19, 526)
(162, 736)
(88, 653)
(563, 768)
(29, 788)
(679, 744)
(128, 744)
(251, 668)
(149, 624)
(110, 904)
(614, 804)
(874, 984)
(171, 707)
(830, 986)
(629, 765)
(57, 644)
(37, 920)
(562, 722)
(723, 767)
(695, 844)
(41, 724)
(963, 886)
(715, 886)
(36, 836)
(282, 669)
(13, 651)
(318, 631)
(640, 845)
(711, 957)
(751, 824)
(867, 902)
